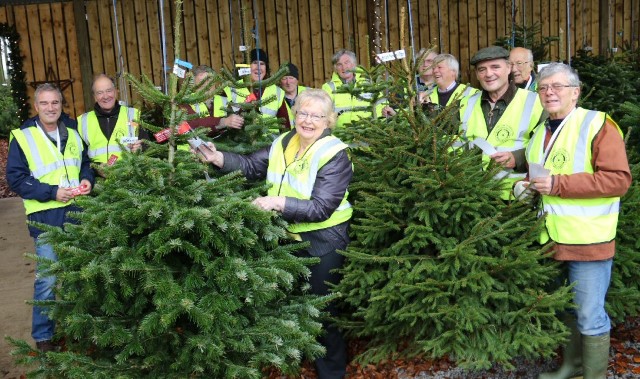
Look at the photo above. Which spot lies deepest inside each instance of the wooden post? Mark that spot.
(603, 27)
(84, 54)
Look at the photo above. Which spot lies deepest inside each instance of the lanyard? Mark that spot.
(554, 136)
(41, 128)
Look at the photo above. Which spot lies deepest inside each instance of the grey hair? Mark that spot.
(560, 68)
(47, 87)
(100, 76)
(202, 69)
(336, 57)
(317, 97)
(450, 60)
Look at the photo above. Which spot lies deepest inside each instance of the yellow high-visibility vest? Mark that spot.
(575, 221)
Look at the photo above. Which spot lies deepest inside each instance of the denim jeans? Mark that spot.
(591, 284)
(42, 327)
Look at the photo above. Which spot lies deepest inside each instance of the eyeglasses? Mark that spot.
(519, 64)
(110, 91)
(555, 86)
(301, 116)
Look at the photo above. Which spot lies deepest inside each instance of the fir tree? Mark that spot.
(255, 133)
(169, 275)
(439, 264)
(623, 298)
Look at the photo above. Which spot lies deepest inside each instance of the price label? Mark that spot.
(399, 54)
(179, 71)
(112, 159)
(162, 135)
(128, 140)
(243, 48)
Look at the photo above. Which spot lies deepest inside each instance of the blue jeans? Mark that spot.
(591, 284)
(42, 327)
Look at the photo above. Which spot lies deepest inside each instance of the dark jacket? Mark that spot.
(26, 186)
(330, 186)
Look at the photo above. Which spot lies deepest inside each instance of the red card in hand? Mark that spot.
(184, 127)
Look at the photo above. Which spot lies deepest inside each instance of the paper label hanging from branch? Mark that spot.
(243, 69)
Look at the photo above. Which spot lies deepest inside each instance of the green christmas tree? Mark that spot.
(256, 132)
(170, 275)
(439, 265)
(623, 298)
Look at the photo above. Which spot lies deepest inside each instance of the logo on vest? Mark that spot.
(73, 148)
(503, 133)
(119, 134)
(559, 158)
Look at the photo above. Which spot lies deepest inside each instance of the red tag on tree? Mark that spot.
(112, 159)
(162, 135)
(251, 97)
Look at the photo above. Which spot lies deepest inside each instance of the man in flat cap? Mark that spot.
(502, 114)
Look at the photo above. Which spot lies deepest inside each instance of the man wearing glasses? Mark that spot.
(584, 152)
(522, 68)
(109, 123)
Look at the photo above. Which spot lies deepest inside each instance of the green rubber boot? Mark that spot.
(571, 356)
(595, 356)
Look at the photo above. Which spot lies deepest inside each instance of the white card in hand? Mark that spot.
(536, 170)
(485, 146)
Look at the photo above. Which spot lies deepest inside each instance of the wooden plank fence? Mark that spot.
(305, 32)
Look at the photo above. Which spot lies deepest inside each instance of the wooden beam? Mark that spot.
(603, 27)
(84, 53)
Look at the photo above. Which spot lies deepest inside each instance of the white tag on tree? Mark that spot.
(244, 71)
(128, 140)
(243, 48)
(400, 54)
(366, 95)
(179, 71)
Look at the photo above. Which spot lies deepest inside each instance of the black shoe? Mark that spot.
(45, 346)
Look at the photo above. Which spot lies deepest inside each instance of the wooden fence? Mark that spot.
(59, 42)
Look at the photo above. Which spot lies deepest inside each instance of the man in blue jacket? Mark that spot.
(48, 167)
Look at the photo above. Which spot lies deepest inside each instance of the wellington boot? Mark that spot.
(595, 356)
(571, 356)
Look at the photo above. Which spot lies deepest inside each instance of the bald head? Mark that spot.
(521, 64)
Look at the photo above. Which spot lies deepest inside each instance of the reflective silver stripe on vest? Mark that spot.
(104, 150)
(580, 153)
(344, 206)
(332, 85)
(85, 127)
(525, 119)
(304, 189)
(264, 109)
(467, 112)
(582, 211)
(41, 169)
(131, 112)
(466, 91)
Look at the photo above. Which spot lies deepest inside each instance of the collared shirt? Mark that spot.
(492, 115)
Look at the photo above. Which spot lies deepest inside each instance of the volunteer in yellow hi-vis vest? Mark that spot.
(445, 72)
(259, 71)
(522, 68)
(109, 123)
(502, 114)
(588, 172)
(47, 166)
(349, 108)
(309, 170)
(290, 85)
